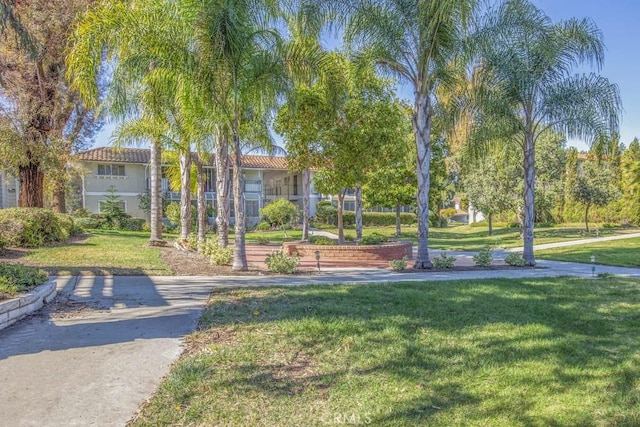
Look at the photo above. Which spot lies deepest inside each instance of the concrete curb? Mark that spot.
(14, 309)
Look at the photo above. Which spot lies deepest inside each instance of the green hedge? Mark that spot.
(16, 278)
(378, 219)
(32, 227)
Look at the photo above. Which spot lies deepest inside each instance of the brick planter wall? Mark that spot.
(384, 252)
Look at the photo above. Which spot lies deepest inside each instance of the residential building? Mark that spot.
(9, 188)
(126, 170)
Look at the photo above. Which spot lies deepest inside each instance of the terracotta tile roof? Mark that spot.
(141, 155)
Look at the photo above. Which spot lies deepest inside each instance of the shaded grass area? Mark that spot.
(493, 352)
(467, 238)
(104, 252)
(621, 253)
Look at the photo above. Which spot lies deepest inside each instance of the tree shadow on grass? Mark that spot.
(554, 334)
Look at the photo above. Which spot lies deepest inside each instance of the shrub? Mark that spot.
(88, 223)
(173, 212)
(322, 241)
(325, 213)
(484, 258)
(191, 242)
(280, 212)
(448, 213)
(444, 261)
(216, 253)
(373, 239)
(608, 225)
(263, 226)
(398, 264)
(378, 219)
(32, 227)
(279, 262)
(3, 242)
(515, 259)
(261, 240)
(16, 278)
(133, 224)
(81, 213)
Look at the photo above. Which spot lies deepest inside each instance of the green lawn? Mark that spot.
(622, 253)
(466, 238)
(494, 352)
(103, 253)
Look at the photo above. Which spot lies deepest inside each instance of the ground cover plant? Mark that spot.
(560, 351)
(622, 253)
(101, 252)
(15, 278)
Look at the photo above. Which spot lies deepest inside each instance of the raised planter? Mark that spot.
(383, 252)
(14, 309)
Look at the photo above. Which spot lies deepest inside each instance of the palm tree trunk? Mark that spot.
(202, 206)
(339, 214)
(239, 252)
(398, 220)
(422, 130)
(529, 206)
(358, 194)
(185, 194)
(306, 189)
(222, 189)
(155, 172)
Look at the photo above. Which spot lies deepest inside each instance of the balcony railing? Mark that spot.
(252, 186)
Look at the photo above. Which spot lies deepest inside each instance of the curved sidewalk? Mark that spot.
(110, 342)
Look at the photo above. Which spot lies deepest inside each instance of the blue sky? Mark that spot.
(618, 20)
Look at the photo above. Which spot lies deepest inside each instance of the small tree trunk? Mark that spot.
(358, 194)
(155, 178)
(239, 250)
(31, 185)
(202, 206)
(58, 200)
(422, 130)
(490, 220)
(185, 194)
(222, 188)
(586, 217)
(398, 220)
(529, 206)
(339, 215)
(306, 189)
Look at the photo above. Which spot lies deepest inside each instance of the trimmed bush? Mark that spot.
(373, 239)
(88, 223)
(378, 219)
(33, 227)
(322, 241)
(515, 259)
(263, 226)
(261, 240)
(484, 258)
(443, 261)
(279, 262)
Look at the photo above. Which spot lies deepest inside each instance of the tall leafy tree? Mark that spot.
(414, 40)
(528, 61)
(593, 187)
(44, 111)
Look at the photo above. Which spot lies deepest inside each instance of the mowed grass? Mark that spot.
(622, 253)
(481, 353)
(103, 253)
(467, 238)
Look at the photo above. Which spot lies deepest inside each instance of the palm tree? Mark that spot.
(148, 40)
(413, 40)
(527, 61)
(240, 52)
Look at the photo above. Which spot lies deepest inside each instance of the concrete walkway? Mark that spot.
(577, 242)
(107, 346)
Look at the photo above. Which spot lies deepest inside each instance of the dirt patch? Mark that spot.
(185, 263)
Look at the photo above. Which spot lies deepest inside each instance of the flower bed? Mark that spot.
(383, 252)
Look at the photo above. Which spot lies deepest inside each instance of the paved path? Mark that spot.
(94, 363)
(106, 349)
(578, 242)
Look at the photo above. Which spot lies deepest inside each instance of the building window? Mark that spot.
(111, 170)
(102, 204)
(349, 205)
(252, 208)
